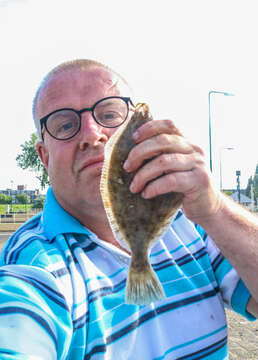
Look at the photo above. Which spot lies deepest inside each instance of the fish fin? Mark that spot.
(112, 141)
(143, 288)
(104, 186)
(109, 211)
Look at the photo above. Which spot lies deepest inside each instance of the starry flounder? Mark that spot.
(135, 222)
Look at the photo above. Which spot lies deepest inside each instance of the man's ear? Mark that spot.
(43, 153)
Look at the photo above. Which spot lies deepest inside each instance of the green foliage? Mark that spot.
(29, 159)
(228, 192)
(22, 199)
(39, 203)
(248, 188)
(5, 199)
(255, 183)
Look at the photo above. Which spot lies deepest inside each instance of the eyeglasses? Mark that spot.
(109, 112)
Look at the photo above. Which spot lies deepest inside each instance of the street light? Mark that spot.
(209, 101)
(238, 173)
(11, 195)
(220, 162)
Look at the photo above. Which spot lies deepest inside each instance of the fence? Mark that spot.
(19, 217)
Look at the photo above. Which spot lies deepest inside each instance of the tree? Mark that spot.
(5, 199)
(22, 198)
(248, 188)
(39, 203)
(29, 159)
(255, 183)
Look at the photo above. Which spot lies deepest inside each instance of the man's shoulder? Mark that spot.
(32, 226)
(25, 243)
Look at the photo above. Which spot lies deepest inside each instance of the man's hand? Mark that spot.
(176, 165)
(179, 166)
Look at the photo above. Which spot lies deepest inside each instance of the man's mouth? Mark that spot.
(92, 163)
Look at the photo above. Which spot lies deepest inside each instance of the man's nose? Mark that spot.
(91, 133)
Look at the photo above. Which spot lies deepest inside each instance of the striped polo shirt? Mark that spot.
(62, 293)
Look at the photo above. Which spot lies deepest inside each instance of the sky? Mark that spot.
(172, 53)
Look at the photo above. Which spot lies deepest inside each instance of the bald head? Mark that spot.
(70, 67)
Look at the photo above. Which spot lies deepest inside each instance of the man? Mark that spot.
(63, 273)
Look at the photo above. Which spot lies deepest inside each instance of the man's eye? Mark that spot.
(109, 116)
(64, 127)
(67, 126)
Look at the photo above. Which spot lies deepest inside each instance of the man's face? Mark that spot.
(74, 166)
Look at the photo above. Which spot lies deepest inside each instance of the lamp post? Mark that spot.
(209, 102)
(238, 173)
(220, 162)
(11, 195)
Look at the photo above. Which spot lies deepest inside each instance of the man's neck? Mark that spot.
(93, 217)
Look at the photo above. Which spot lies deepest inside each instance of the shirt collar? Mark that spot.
(58, 221)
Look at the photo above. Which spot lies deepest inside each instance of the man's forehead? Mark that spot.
(83, 80)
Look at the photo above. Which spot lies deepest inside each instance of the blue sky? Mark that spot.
(171, 52)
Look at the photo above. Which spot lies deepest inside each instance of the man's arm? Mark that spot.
(235, 231)
(179, 166)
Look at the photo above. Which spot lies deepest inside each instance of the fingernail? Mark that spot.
(136, 135)
(144, 195)
(132, 187)
(126, 165)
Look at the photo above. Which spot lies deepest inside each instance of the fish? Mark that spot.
(136, 223)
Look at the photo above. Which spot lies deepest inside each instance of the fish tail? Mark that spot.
(144, 287)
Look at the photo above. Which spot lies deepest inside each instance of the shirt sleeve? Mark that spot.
(233, 290)
(35, 320)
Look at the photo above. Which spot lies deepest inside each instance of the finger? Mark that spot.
(173, 182)
(189, 183)
(155, 127)
(162, 143)
(162, 165)
(165, 184)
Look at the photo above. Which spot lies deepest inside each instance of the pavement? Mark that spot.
(242, 337)
(242, 334)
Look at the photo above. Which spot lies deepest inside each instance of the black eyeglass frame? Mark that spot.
(43, 120)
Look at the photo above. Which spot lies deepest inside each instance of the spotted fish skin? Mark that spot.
(136, 222)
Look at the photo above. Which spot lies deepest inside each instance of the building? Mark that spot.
(21, 189)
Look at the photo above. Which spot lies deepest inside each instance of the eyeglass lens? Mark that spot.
(65, 124)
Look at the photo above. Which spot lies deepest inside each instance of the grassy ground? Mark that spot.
(15, 208)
